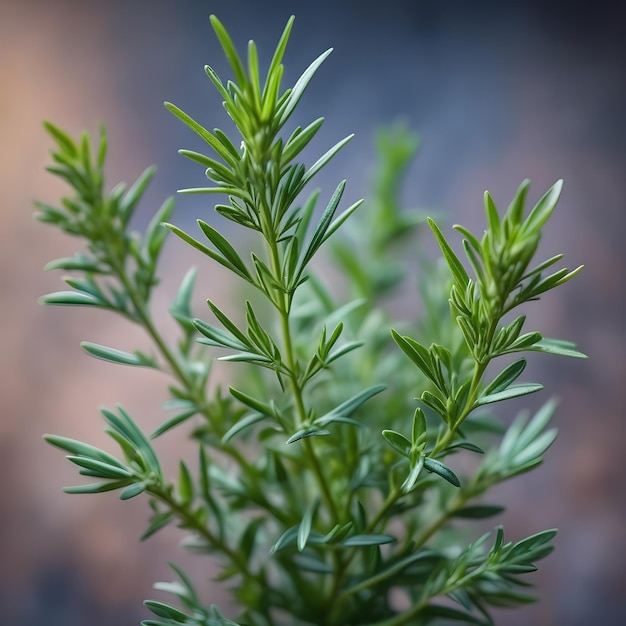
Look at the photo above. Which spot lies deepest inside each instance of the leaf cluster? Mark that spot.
(320, 487)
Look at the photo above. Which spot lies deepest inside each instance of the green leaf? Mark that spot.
(515, 210)
(416, 352)
(63, 140)
(464, 445)
(512, 392)
(71, 298)
(185, 484)
(508, 375)
(155, 233)
(309, 431)
(180, 309)
(529, 546)
(208, 251)
(479, 511)
(100, 469)
(437, 467)
(174, 421)
(347, 408)
(287, 538)
(132, 491)
(542, 210)
(324, 159)
(411, 480)
(230, 51)
(398, 441)
(219, 337)
(133, 195)
(458, 271)
(79, 448)
(559, 347)
(228, 324)
(523, 342)
(304, 529)
(78, 262)
(116, 356)
(161, 609)
(242, 424)
(125, 426)
(228, 252)
(253, 403)
(318, 235)
(156, 523)
(298, 89)
(299, 140)
(280, 50)
(368, 540)
(97, 487)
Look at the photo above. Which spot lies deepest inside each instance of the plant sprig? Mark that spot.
(320, 487)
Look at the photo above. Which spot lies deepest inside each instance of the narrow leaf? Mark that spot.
(347, 408)
(71, 298)
(542, 210)
(458, 271)
(479, 511)
(304, 529)
(512, 392)
(437, 467)
(506, 377)
(114, 356)
(368, 540)
(310, 431)
(174, 421)
(253, 403)
(222, 244)
(243, 424)
(398, 441)
(559, 347)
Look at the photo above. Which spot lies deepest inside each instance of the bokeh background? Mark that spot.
(499, 91)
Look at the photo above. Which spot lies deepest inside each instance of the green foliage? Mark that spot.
(314, 488)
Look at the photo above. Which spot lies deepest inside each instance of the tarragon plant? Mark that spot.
(323, 485)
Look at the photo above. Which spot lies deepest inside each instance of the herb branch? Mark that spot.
(323, 485)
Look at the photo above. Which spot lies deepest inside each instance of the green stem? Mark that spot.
(190, 521)
(282, 305)
(182, 376)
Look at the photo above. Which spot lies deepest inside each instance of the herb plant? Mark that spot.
(323, 482)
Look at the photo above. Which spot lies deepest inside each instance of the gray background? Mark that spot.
(498, 91)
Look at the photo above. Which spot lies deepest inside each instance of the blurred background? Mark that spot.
(498, 92)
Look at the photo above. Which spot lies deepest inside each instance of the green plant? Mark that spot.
(322, 481)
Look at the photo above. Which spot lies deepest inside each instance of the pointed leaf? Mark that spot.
(368, 540)
(479, 511)
(559, 347)
(71, 298)
(224, 247)
(300, 86)
(505, 378)
(347, 408)
(398, 441)
(310, 431)
(437, 467)
(243, 424)
(542, 210)
(115, 356)
(512, 392)
(304, 529)
(174, 421)
(458, 271)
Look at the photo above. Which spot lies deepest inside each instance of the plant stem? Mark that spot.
(191, 521)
